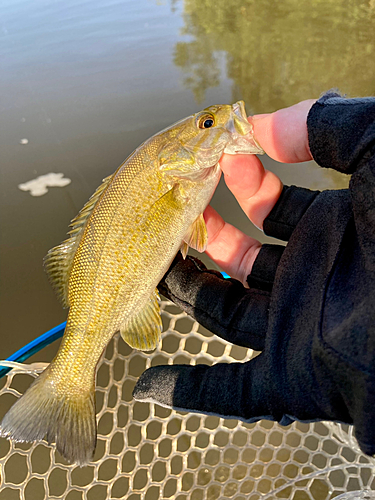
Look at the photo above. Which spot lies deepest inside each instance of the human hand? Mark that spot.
(283, 136)
(248, 391)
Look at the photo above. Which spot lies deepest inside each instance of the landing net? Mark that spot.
(146, 452)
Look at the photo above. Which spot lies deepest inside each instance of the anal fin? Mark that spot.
(143, 331)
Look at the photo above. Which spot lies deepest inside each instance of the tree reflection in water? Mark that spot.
(278, 53)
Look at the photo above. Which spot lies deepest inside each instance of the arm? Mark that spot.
(342, 136)
(318, 359)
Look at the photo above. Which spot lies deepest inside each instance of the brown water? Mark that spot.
(84, 82)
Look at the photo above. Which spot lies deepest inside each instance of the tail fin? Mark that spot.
(69, 420)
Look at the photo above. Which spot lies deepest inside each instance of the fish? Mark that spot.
(118, 248)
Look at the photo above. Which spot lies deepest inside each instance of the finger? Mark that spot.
(256, 189)
(224, 306)
(236, 390)
(232, 250)
(283, 134)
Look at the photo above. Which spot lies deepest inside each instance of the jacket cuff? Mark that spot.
(288, 211)
(264, 269)
(341, 131)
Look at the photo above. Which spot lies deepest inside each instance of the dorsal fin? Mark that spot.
(81, 218)
(59, 260)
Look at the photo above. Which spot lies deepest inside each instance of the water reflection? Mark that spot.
(277, 53)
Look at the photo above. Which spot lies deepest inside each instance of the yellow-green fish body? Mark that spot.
(121, 244)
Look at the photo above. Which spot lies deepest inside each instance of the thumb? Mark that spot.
(283, 134)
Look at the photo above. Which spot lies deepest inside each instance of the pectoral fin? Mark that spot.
(196, 237)
(143, 331)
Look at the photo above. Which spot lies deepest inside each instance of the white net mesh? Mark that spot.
(146, 452)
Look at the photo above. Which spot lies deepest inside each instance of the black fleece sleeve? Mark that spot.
(288, 211)
(342, 136)
(342, 132)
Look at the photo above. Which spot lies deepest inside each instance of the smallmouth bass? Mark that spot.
(119, 247)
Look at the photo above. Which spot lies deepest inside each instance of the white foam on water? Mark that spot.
(40, 185)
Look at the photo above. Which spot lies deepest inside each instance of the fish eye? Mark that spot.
(206, 121)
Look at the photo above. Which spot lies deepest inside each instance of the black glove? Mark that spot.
(239, 315)
(235, 313)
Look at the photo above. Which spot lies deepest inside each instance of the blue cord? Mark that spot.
(37, 344)
(34, 346)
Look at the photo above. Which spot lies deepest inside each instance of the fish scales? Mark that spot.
(113, 230)
(121, 244)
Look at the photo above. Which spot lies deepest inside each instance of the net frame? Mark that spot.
(146, 452)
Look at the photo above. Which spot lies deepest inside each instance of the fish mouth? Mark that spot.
(239, 109)
(243, 144)
(242, 133)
